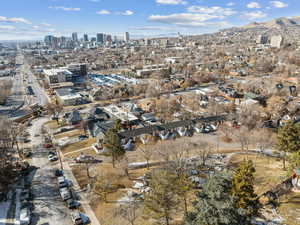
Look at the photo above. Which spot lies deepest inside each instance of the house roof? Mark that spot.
(157, 128)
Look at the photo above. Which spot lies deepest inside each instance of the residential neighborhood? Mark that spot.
(178, 130)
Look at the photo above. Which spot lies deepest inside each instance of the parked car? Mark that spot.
(27, 140)
(25, 216)
(65, 193)
(72, 204)
(25, 195)
(59, 173)
(78, 218)
(51, 153)
(62, 182)
(48, 145)
(52, 158)
(28, 154)
(82, 137)
(85, 159)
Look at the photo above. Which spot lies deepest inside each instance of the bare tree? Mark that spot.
(243, 136)
(130, 211)
(147, 154)
(264, 139)
(204, 150)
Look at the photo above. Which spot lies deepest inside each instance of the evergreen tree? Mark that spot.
(112, 144)
(243, 190)
(162, 200)
(215, 205)
(288, 138)
(294, 161)
(183, 188)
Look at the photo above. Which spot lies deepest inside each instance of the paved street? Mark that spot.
(40, 96)
(19, 101)
(49, 208)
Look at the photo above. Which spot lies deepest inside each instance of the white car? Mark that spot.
(52, 158)
(25, 216)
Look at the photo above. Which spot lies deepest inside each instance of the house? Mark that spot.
(74, 117)
(98, 114)
(99, 128)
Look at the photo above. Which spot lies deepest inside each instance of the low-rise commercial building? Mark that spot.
(66, 97)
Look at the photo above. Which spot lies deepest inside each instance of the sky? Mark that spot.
(33, 19)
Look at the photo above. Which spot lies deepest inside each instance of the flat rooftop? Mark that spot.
(120, 113)
(54, 72)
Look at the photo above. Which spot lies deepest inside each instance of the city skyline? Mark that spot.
(151, 18)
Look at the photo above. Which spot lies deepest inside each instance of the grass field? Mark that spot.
(289, 208)
(268, 173)
(79, 145)
(70, 134)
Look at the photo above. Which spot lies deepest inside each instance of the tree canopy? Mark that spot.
(215, 205)
(243, 190)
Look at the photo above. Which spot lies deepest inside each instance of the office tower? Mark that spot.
(276, 41)
(100, 38)
(93, 39)
(63, 40)
(147, 42)
(115, 39)
(108, 38)
(85, 38)
(49, 39)
(126, 37)
(75, 37)
(262, 39)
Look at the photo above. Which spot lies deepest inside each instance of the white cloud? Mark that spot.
(171, 2)
(278, 4)
(254, 15)
(7, 27)
(64, 8)
(152, 28)
(216, 10)
(103, 12)
(230, 4)
(253, 5)
(14, 20)
(188, 19)
(46, 25)
(127, 13)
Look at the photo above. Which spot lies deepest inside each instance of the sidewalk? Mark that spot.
(86, 206)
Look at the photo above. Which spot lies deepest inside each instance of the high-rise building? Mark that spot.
(262, 39)
(75, 37)
(108, 38)
(126, 37)
(93, 39)
(100, 38)
(85, 38)
(147, 42)
(115, 39)
(276, 41)
(49, 39)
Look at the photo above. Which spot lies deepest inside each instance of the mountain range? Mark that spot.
(279, 23)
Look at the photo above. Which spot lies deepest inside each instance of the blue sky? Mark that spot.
(32, 19)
